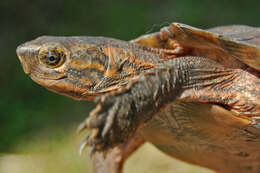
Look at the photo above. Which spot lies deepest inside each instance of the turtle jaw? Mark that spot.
(63, 86)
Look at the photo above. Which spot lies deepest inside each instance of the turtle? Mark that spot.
(192, 93)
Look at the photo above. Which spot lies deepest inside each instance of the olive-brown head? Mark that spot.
(78, 67)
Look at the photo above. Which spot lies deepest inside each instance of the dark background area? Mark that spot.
(25, 107)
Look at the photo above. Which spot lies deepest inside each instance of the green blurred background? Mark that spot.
(27, 109)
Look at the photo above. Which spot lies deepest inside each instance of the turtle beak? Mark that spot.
(21, 53)
(25, 54)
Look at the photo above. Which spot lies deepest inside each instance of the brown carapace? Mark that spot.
(194, 94)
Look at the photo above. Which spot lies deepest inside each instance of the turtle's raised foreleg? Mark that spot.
(164, 43)
(112, 161)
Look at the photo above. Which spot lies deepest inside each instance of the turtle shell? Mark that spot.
(235, 46)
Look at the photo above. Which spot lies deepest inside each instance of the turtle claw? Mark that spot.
(109, 123)
(82, 126)
(83, 145)
(92, 151)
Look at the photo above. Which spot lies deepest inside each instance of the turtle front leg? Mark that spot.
(189, 79)
(112, 161)
(120, 113)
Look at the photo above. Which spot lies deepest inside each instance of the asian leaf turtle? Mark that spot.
(192, 93)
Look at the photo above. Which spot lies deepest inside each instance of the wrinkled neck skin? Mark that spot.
(93, 66)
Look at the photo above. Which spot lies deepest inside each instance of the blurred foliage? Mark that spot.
(25, 107)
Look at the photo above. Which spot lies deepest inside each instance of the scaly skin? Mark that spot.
(164, 96)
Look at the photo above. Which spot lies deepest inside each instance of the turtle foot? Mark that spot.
(111, 122)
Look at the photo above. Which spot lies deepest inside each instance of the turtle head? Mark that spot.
(78, 67)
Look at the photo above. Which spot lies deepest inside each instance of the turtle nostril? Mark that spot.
(22, 52)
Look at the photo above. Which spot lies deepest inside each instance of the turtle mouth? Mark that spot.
(48, 82)
(26, 67)
(64, 86)
(40, 77)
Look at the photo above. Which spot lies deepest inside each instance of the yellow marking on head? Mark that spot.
(111, 71)
(84, 64)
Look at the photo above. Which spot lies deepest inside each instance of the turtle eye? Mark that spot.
(52, 59)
